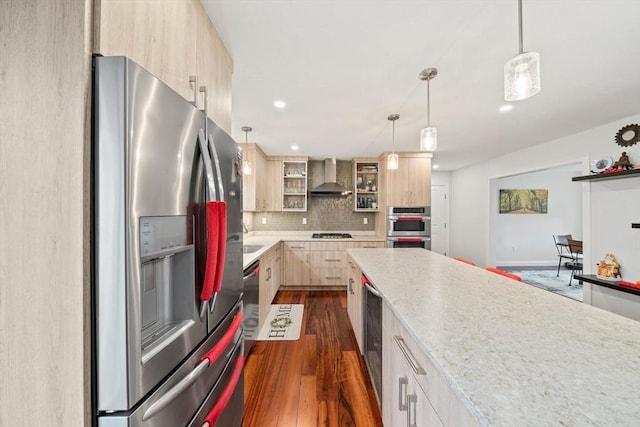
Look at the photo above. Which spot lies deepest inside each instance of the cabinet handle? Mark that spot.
(409, 356)
(194, 80)
(308, 258)
(412, 401)
(296, 247)
(277, 259)
(332, 277)
(204, 90)
(351, 286)
(402, 395)
(332, 260)
(268, 273)
(368, 247)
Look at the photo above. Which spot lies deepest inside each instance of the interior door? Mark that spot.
(440, 219)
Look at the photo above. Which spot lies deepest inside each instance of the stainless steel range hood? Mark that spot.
(330, 187)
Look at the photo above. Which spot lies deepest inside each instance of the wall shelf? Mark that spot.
(603, 176)
(635, 225)
(593, 279)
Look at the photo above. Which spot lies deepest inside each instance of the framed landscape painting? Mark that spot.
(524, 201)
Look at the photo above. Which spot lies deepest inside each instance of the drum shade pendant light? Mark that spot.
(392, 159)
(428, 135)
(522, 72)
(246, 164)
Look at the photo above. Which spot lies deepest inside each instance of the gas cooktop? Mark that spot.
(331, 236)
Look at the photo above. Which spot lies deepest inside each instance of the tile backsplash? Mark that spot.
(324, 213)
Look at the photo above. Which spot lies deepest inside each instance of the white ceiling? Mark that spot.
(343, 66)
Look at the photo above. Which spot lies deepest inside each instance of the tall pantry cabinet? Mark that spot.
(409, 185)
(47, 49)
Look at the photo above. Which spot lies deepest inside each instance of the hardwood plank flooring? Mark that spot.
(317, 380)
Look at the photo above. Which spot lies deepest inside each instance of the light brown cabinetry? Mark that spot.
(410, 184)
(366, 184)
(294, 185)
(318, 264)
(354, 301)
(254, 185)
(173, 40)
(270, 274)
(404, 401)
(414, 390)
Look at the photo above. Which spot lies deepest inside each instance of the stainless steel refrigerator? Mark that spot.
(166, 257)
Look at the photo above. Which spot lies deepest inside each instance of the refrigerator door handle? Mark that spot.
(175, 391)
(208, 168)
(215, 352)
(219, 407)
(212, 264)
(216, 161)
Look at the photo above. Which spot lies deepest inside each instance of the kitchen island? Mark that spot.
(510, 354)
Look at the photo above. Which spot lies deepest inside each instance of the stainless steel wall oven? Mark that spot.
(409, 227)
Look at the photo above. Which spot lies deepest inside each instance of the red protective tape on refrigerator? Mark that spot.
(213, 246)
(215, 352)
(222, 245)
(226, 394)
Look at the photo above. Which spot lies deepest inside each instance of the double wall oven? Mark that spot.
(409, 227)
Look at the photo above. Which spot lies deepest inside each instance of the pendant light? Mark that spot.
(428, 135)
(246, 164)
(392, 159)
(522, 72)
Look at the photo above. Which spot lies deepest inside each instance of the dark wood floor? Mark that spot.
(318, 380)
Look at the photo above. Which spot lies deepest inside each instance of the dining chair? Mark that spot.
(562, 246)
(575, 247)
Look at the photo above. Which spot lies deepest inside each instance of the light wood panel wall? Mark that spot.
(44, 84)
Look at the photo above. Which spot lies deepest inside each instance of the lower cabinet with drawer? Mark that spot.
(404, 402)
(414, 392)
(318, 264)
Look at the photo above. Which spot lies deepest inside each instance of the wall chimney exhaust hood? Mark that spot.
(330, 187)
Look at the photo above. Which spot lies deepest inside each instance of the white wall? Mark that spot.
(471, 196)
(526, 240)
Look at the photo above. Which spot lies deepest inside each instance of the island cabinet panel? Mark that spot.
(354, 301)
(414, 391)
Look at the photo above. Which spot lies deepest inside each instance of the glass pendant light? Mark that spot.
(246, 164)
(522, 72)
(392, 159)
(428, 135)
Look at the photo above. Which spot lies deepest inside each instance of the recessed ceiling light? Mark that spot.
(279, 104)
(436, 166)
(295, 147)
(506, 108)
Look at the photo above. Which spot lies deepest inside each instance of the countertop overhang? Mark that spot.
(515, 354)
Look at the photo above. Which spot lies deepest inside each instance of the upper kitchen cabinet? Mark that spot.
(173, 40)
(294, 185)
(410, 184)
(366, 183)
(254, 185)
(214, 69)
(262, 190)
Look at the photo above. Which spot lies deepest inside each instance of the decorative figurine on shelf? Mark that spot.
(623, 162)
(608, 268)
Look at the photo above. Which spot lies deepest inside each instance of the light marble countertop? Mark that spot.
(515, 354)
(270, 239)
